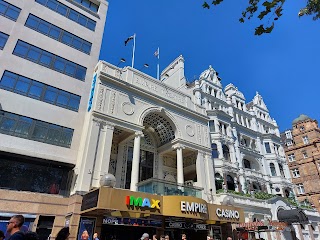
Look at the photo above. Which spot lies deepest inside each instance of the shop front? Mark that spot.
(121, 214)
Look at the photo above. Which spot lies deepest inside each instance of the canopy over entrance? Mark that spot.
(292, 216)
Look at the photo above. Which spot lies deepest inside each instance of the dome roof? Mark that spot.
(302, 117)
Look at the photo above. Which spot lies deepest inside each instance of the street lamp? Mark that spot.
(146, 65)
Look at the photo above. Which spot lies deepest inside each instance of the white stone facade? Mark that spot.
(177, 128)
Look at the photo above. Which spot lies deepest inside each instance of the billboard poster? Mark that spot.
(86, 224)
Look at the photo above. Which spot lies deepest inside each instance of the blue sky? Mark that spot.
(281, 66)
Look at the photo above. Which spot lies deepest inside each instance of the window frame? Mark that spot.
(295, 173)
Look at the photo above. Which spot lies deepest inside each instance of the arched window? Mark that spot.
(226, 153)
(281, 170)
(273, 170)
(256, 186)
(230, 183)
(246, 164)
(218, 181)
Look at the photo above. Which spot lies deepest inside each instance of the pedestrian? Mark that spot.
(31, 236)
(154, 237)
(95, 236)
(184, 236)
(145, 236)
(13, 227)
(63, 234)
(162, 237)
(1, 235)
(229, 238)
(85, 235)
(166, 237)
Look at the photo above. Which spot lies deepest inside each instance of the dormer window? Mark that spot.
(305, 139)
(301, 128)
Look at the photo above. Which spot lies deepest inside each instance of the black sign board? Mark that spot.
(90, 200)
(186, 225)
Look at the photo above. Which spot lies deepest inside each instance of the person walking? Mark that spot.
(1, 235)
(95, 236)
(63, 234)
(184, 236)
(145, 236)
(13, 227)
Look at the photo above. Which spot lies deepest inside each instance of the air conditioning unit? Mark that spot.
(189, 183)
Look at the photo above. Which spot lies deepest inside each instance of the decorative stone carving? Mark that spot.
(190, 130)
(127, 108)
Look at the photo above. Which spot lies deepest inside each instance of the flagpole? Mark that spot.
(158, 65)
(133, 49)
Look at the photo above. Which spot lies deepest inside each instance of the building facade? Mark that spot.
(301, 144)
(48, 50)
(174, 138)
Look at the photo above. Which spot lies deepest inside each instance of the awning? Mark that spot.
(292, 216)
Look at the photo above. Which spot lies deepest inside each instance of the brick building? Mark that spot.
(302, 148)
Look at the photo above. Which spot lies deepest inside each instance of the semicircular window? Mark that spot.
(161, 126)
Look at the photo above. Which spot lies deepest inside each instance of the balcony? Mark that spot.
(253, 173)
(162, 187)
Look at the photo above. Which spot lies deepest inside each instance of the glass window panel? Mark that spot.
(46, 59)
(63, 99)
(52, 4)
(51, 95)
(7, 124)
(91, 24)
(54, 32)
(59, 64)
(21, 49)
(86, 47)
(43, 2)
(70, 69)
(66, 137)
(94, 7)
(73, 15)
(86, 3)
(34, 54)
(76, 43)
(44, 27)
(54, 134)
(66, 38)
(36, 90)
(3, 7)
(83, 20)
(8, 81)
(40, 131)
(13, 13)
(22, 86)
(23, 126)
(62, 9)
(32, 22)
(3, 40)
(74, 102)
(80, 73)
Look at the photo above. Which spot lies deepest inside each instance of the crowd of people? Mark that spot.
(15, 233)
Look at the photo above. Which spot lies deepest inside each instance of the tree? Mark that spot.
(269, 12)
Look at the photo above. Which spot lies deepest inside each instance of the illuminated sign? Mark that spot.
(94, 80)
(193, 207)
(142, 202)
(227, 213)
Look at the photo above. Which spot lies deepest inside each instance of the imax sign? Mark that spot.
(142, 202)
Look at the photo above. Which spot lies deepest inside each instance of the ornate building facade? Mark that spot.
(170, 137)
(301, 144)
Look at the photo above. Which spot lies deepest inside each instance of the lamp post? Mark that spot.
(122, 60)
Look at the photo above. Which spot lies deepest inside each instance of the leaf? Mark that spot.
(206, 5)
(241, 20)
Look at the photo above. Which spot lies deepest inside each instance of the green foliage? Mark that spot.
(263, 195)
(269, 12)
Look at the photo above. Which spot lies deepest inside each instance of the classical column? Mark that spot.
(101, 166)
(87, 158)
(180, 177)
(135, 161)
(219, 148)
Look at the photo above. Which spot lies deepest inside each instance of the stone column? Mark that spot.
(87, 160)
(310, 232)
(180, 176)
(220, 151)
(103, 153)
(135, 161)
